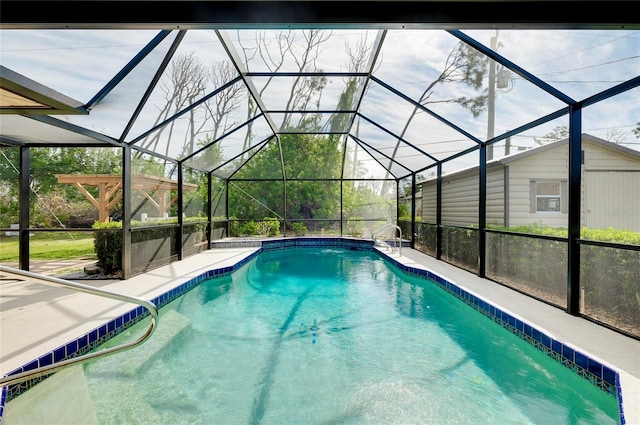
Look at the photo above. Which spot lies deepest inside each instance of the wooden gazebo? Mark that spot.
(155, 189)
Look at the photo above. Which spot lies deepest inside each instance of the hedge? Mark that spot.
(155, 245)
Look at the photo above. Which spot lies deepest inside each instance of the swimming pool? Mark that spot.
(336, 335)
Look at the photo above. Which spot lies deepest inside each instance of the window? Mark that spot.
(548, 196)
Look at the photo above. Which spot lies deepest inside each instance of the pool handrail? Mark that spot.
(386, 227)
(54, 367)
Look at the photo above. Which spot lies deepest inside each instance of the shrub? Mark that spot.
(108, 246)
(355, 226)
(269, 226)
(54, 208)
(234, 226)
(603, 235)
(249, 228)
(108, 238)
(299, 229)
(611, 235)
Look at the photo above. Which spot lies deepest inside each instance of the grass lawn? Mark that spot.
(50, 246)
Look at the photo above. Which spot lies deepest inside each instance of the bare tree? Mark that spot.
(616, 135)
(221, 108)
(303, 90)
(358, 58)
(185, 81)
(463, 65)
(274, 53)
(220, 112)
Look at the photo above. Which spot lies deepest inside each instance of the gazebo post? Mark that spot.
(103, 213)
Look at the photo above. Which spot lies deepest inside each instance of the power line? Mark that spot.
(575, 52)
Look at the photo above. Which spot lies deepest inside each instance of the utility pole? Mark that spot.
(492, 97)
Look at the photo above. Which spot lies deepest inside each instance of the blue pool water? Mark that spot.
(334, 336)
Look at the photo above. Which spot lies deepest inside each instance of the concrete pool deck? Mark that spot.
(37, 317)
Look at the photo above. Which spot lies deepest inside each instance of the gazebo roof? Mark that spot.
(155, 189)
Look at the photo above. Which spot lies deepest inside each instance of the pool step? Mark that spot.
(119, 400)
(49, 401)
(403, 242)
(170, 325)
(380, 243)
(114, 377)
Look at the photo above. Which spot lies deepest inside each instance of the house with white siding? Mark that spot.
(532, 187)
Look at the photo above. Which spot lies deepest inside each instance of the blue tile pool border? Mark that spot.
(593, 371)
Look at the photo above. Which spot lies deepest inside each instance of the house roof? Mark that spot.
(586, 138)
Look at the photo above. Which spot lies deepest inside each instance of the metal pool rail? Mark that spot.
(44, 370)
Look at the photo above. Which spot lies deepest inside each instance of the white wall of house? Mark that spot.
(545, 166)
(610, 200)
(461, 198)
(612, 195)
(429, 201)
(495, 196)
(610, 189)
(460, 201)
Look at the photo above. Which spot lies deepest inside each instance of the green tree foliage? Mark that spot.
(308, 157)
(53, 203)
(9, 178)
(362, 200)
(194, 202)
(558, 133)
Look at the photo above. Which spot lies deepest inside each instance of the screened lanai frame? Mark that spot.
(382, 19)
